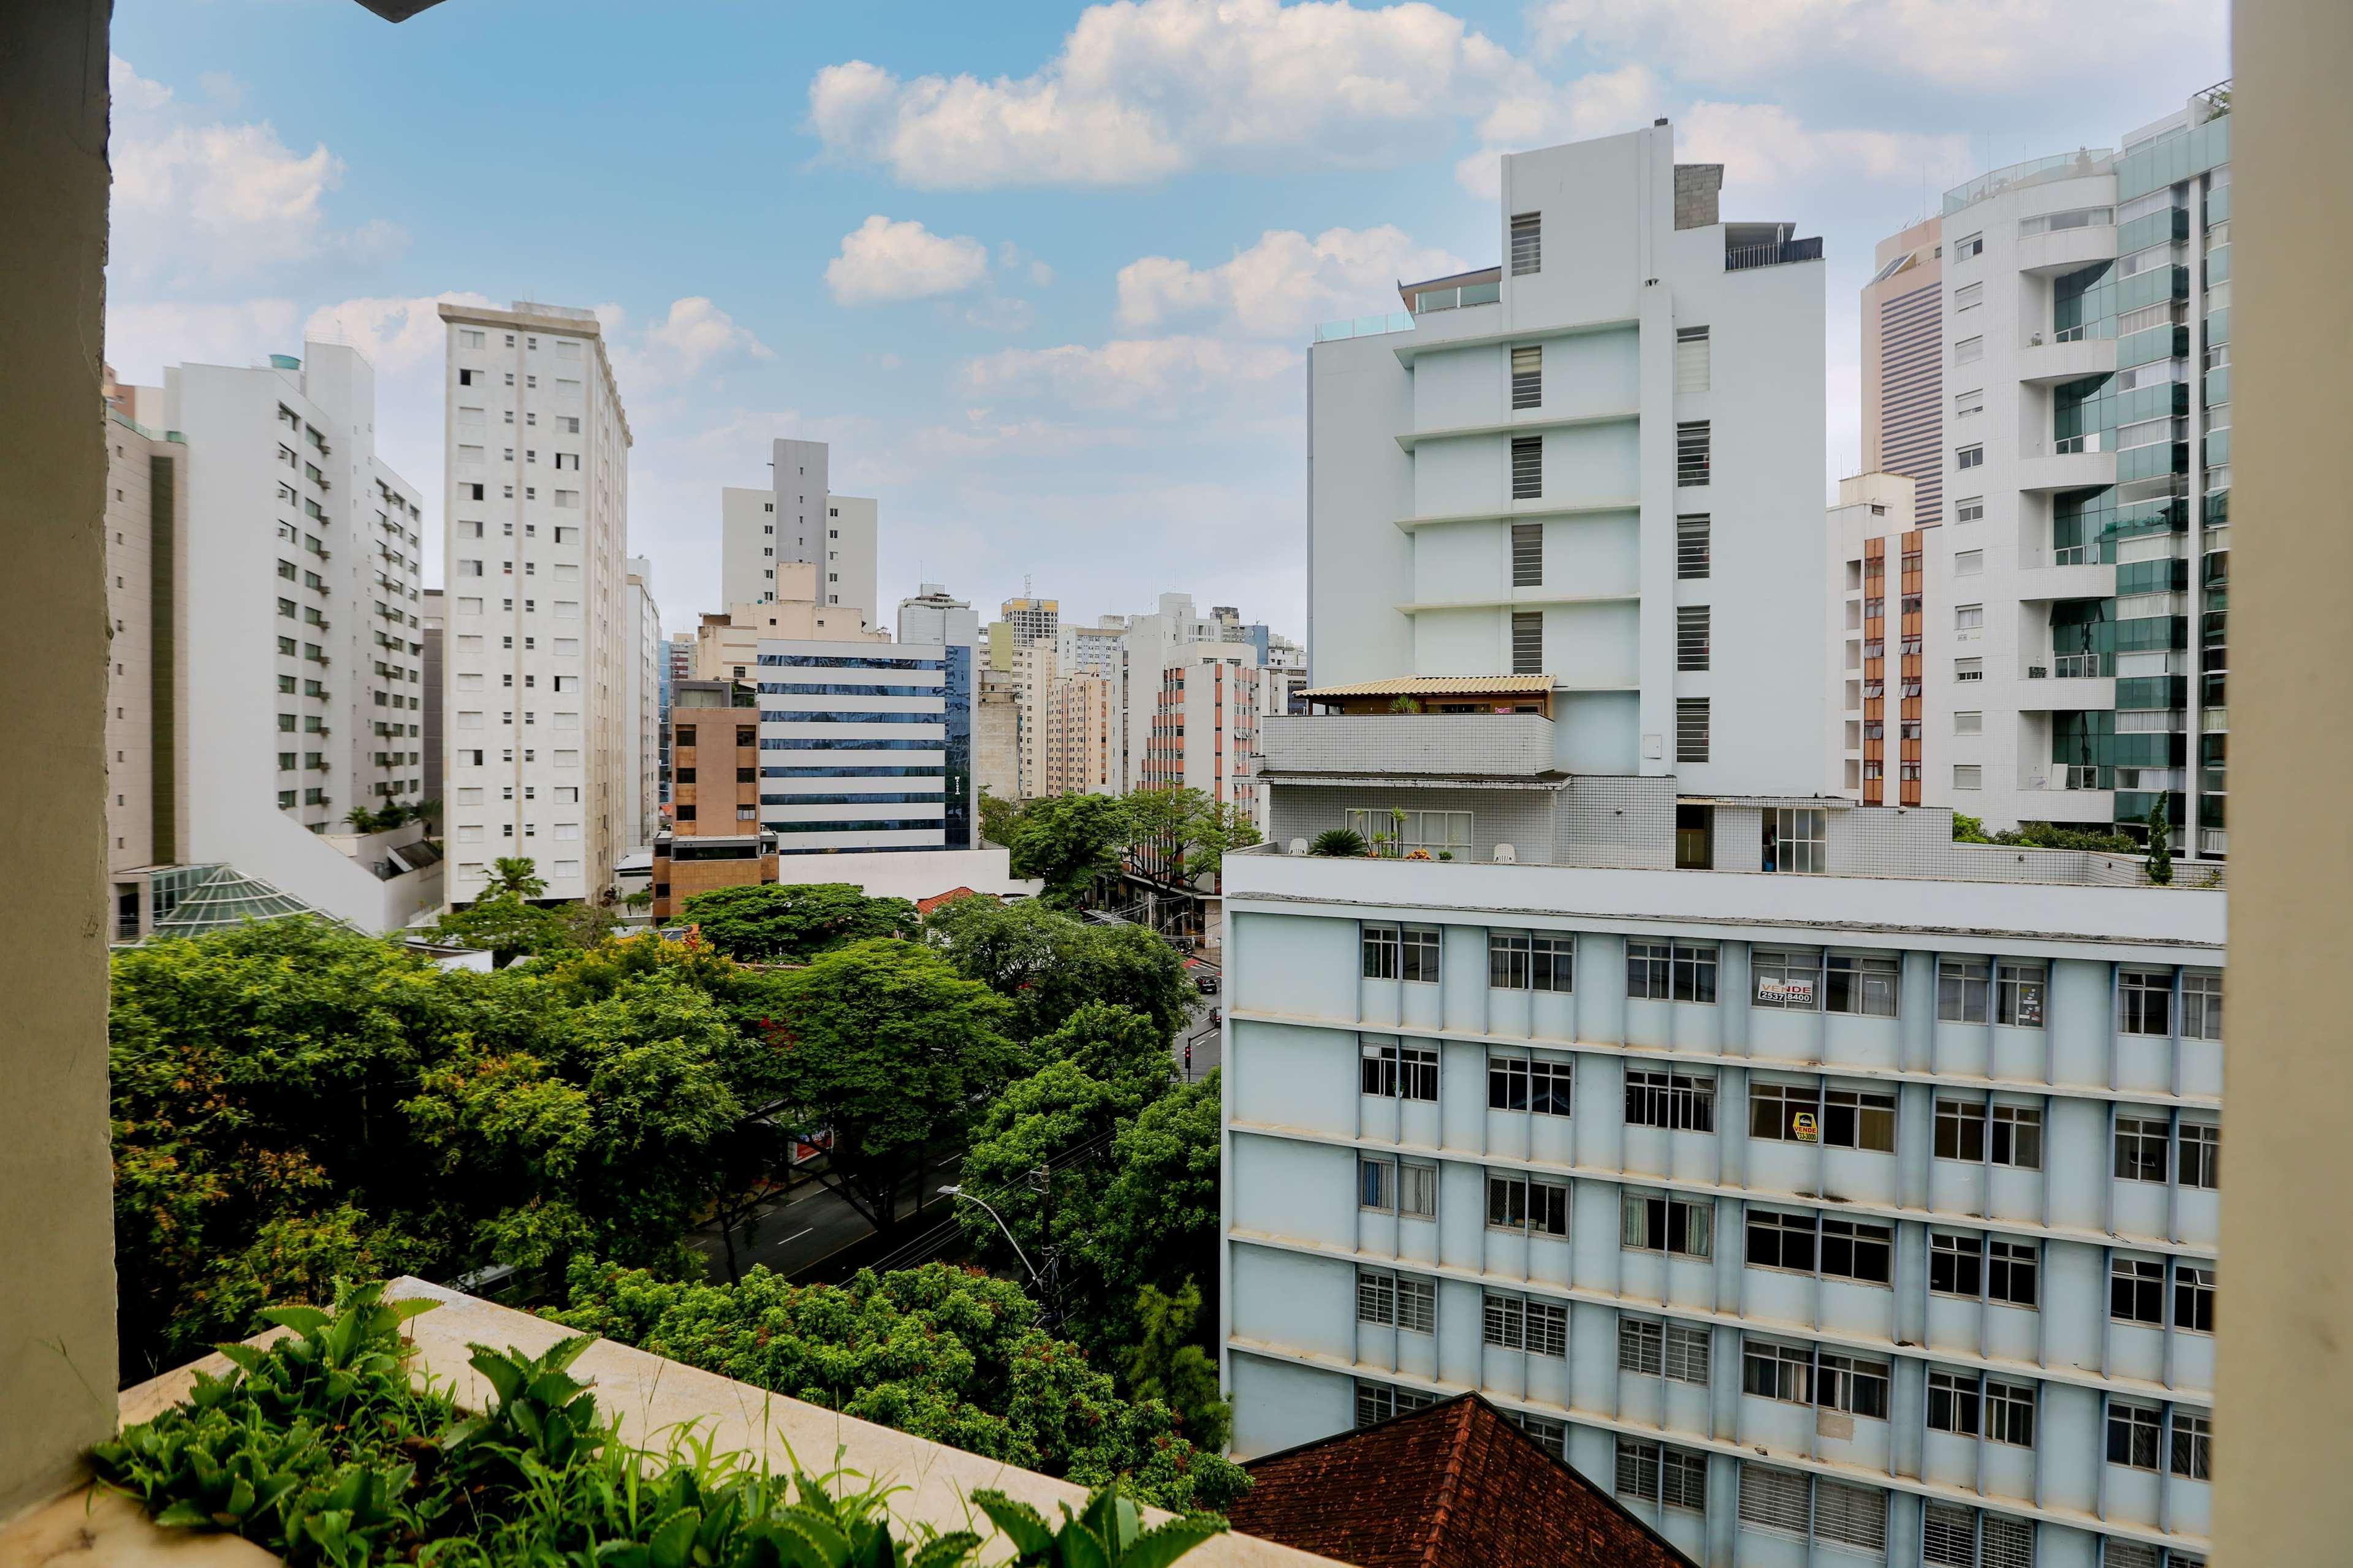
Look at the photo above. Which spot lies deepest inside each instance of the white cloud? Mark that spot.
(2008, 46)
(396, 334)
(1001, 313)
(693, 337)
(144, 338)
(1763, 146)
(197, 199)
(1171, 372)
(883, 261)
(1281, 286)
(1538, 113)
(1144, 89)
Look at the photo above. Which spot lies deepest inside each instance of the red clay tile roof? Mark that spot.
(1454, 1485)
(925, 906)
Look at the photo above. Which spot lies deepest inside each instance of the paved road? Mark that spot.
(808, 1226)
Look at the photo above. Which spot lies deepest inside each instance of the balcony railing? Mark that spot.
(1740, 259)
(1365, 327)
(1457, 297)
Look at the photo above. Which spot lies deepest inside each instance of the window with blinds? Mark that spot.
(1968, 297)
(1527, 642)
(1691, 729)
(1692, 545)
(1692, 622)
(1948, 1536)
(1527, 555)
(1850, 1515)
(1527, 378)
(1527, 244)
(1693, 449)
(1527, 469)
(2010, 1543)
(1773, 1500)
(1691, 359)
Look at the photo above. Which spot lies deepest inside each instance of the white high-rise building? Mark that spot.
(2084, 456)
(798, 519)
(642, 813)
(278, 647)
(1557, 466)
(542, 703)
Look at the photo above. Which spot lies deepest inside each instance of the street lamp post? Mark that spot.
(958, 1191)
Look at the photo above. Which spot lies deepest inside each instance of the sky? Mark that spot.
(1044, 275)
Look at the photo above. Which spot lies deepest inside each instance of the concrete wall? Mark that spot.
(2286, 1373)
(56, 1244)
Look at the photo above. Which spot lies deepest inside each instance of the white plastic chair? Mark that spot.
(1507, 856)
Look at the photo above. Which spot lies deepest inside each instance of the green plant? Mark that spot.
(2161, 844)
(317, 1450)
(1106, 1532)
(515, 874)
(1344, 843)
(1446, 855)
(1403, 704)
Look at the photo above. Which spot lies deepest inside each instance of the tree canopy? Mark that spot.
(1049, 963)
(1072, 841)
(294, 1101)
(512, 929)
(890, 1048)
(793, 923)
(946, 1353)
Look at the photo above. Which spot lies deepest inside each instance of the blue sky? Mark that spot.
(1043, 274)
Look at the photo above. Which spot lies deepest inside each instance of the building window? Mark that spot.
(1967, 402)
(1680, 1226)
(1692, 556)
(2193, 1446)
(1670, 971)
(1691, 359)
(1527, 377)
(1800, 842)
(1851, 1386)
(1394, 1072)
(1774, 1500)
(1968, 351)
(2137, 1290)
(1661, 1475)
(2145, 1001)
(1678, 1102)
(2133, 1431)
(1641, 1347)
(1527, 642)
(1396, 1301)
(2202, 1155)
(1538, 961)
(1519, 1083)
(1863, 985)
(2193, 1299)
(1965, 669)
(1516, 1203)
(1968, 297)
(1956, 1264)
(1527, 555)
(1969, 775)
(1408, 953)
(1964, 990)
(1694, 447)
(1527, 468)
(1691, 637)
(1527, 244)
(1953, 1405)
(1691, 729)
(1377, 1402)
(1969, 509)
(1969, 458)
(2140, 1149)
(1859, 1119)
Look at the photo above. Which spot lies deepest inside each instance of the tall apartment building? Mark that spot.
(1029, 620)
(678, 664)
(543, 678)
(797, 519)
(1069, 728)
(932, 616)
(1863, 1209)
(868, 746)
(1093, 650)
(641, 813)
(433, 611)
(1904, 364)
(2086, 468)
(1154, 640)
(1896, 621)
(713, 839)
(727, 648)
(264, 682)
(1549, 467)
(997, 734)
(1205, 722)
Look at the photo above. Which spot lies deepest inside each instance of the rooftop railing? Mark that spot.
(1740, 259)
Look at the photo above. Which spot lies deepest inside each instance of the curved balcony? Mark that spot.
(2039, 468)
(2053, 365)
(2065, 251)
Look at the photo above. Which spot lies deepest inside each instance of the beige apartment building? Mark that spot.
(1903, 364)
(727, 646)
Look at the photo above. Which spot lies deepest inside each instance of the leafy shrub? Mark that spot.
(1338, 842)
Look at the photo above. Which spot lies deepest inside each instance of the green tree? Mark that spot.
(999, 820)
(293, 1102)
(2161, 844)
(1071, 842)
(1156, 1221)
(1049, 1116)
(516, 875)
(1169, 1363)
(948, 1355)
(793, 923)
(1117, 1047)
(1183, 832)
(1050, 964)
(509, 928)
(890, 1049)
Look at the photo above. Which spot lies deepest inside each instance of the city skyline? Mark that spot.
(1071, 324)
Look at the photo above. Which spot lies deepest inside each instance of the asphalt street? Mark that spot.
(809, 1225)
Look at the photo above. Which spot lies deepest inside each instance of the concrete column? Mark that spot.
(57, 1230)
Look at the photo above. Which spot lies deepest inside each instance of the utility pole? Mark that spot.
(1050, 1316)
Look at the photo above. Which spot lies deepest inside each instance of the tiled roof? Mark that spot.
(925, 906)
(1451, 1485)
(1439, 686)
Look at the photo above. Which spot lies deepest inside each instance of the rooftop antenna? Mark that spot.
(1028, 587)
